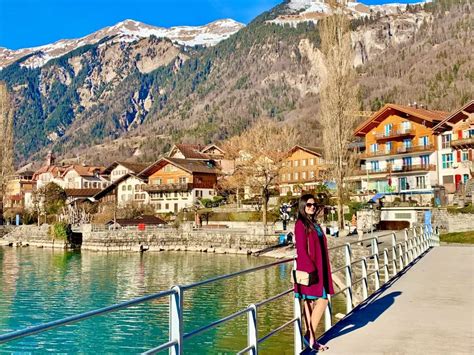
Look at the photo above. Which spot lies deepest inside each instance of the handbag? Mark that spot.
(302, 277)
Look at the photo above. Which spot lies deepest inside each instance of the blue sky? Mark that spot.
(28, 23)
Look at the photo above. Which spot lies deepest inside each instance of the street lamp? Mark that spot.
(371, 206)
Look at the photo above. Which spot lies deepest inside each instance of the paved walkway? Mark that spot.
(428, 310)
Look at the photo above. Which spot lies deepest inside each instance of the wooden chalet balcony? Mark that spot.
(464, 143)
(399, 150)
(396, 132)
(178, 187)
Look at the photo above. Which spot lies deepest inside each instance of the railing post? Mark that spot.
(176, 320)
(400, 256)
(252, 334)
(385, 264)
(298, 328)
(376, 263)
(406, 262)
(364, 278)
(348, 278)
(394, 253)
(328, 315)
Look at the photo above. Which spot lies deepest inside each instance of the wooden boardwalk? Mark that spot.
(429, 309)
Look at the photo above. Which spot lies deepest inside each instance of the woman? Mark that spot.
(312, 256)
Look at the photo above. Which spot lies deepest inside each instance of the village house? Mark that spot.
(84, 177)
(18, 191)
(455, 135)
(120, 168)
(174, 184)
(301, 171)
(204, 153)
(400, 157)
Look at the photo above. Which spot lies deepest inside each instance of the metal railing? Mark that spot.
(402, 254)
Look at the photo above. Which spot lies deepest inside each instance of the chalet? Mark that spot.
(400, 151)
(455, 136)
(120, 168)
(301, 171)
(19, 189)
(174, 184)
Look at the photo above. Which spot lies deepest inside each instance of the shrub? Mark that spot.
(60, 230)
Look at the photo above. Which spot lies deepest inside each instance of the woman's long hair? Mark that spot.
(308, 220)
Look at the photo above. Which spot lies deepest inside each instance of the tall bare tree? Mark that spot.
(259, 154)
(6, 143)
(339, 101)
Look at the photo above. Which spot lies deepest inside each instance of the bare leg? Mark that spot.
(308, 310)
(318, 311)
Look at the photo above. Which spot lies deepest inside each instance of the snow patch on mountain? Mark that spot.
(125, 31)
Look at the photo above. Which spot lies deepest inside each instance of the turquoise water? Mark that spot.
(40, 285)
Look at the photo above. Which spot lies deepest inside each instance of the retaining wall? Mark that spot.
(460, 222)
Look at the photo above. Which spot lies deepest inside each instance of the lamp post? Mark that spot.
(371, 205)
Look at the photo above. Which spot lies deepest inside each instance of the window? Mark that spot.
(303, 175)
(157, 181)
(407, 143)
(388, 129)
(86, 184)
(175, 194)
(183, 180)
(374, 147)
(124, 188)
(304, 162)
(311, 174)
(464, 155)
(424, 141)
(404, 183)
(169, 168)
(158, 206)
(445, 140)
(129, 187)
(424, 160)
(288, 177)
(421, 182)
(374, 165)
(295, 163)
(388, 147)
(167, 206)
(407, 163)
(311, 161)
(406, 126)
(465, 178)
(295, 176)
(447, 160)
(448, 179)
(170, 181)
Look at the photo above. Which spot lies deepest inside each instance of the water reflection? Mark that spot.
(42, 285)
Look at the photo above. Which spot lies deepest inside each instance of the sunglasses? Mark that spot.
(312, 205)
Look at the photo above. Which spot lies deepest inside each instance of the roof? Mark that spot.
(311, 150)
(84, 170)
(148, 220)
(132, 166)
(429, 117)
(212, 146)
(189, 151)
(81, 192)
(454, 117)
(108, 189)
(191, 166)
(53, 169)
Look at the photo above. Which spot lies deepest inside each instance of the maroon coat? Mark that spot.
(317, 259)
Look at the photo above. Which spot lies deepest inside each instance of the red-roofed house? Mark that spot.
(174, 184)
(455, 136)
(400, 151)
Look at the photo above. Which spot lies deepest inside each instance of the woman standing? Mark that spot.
(312, 256)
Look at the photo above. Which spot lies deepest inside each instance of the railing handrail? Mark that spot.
(403, 252)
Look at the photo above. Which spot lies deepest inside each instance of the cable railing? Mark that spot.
(395, 258)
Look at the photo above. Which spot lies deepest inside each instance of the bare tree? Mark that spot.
(339, 102)
(259, 153)
(6, 143)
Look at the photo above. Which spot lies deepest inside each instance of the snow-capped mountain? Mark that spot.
(125, 31)
(313, 10)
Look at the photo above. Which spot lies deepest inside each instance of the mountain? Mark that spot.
(125, 31)
(115, 98)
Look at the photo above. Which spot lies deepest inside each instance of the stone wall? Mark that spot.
(34, 236)
(217, 241)
(448, 222)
